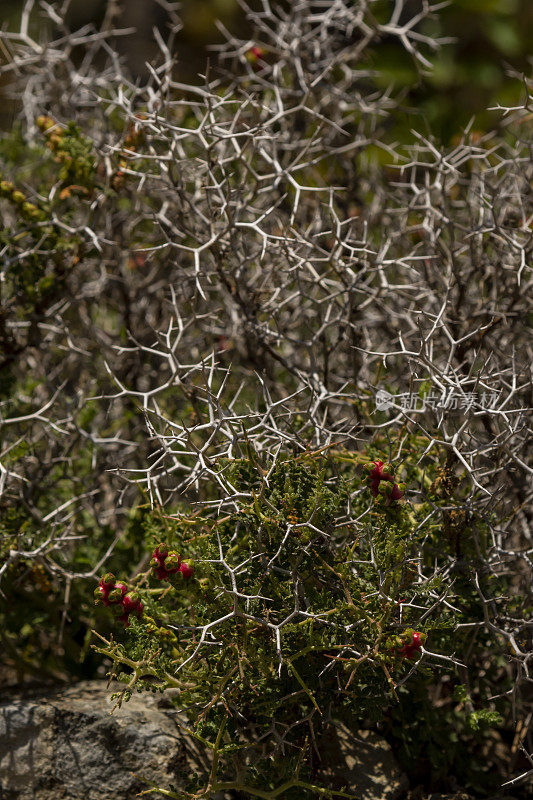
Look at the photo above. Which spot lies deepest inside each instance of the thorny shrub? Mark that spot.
(219, 303)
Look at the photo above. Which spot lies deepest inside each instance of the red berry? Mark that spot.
(256, 57)
(256, 53)
(125, 618)
(172, 562)
(398, 491)
(411, 647)
(131, 604)
(385, 488)
(117, 593)
(187, 568)
(100, 595)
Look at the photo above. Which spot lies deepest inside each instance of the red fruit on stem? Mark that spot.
(117, 593)
(100, 595)
(377, 472)
(172, 562)
(256, 53)
(398, 491)
(161, 574)
(187, 568)
(125, 618)
(131, 604)
(412, 647)
(381, 481)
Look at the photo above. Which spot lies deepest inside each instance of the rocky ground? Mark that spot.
(63, 744)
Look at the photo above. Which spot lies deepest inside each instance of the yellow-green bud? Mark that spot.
(99, 594)
(29, 209)
(172, 560)
(6, 188)
(44, 123)
(18, 197)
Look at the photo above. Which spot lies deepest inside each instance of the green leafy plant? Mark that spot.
(296, 613)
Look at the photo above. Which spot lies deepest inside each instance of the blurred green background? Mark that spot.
(469, 75)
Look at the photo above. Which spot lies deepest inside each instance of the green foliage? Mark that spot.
(294, 614)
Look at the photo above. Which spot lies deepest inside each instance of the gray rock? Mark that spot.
(63, 744)
(455, 796)
(463, 796)
(361, 762)
(66, 746)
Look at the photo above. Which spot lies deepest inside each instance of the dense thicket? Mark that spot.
(217, 304)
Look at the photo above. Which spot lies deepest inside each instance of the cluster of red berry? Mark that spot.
(165, 563)
(382, 484)
(115, 594)
(112, 593)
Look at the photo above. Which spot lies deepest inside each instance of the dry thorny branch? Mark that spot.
(267, 274)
